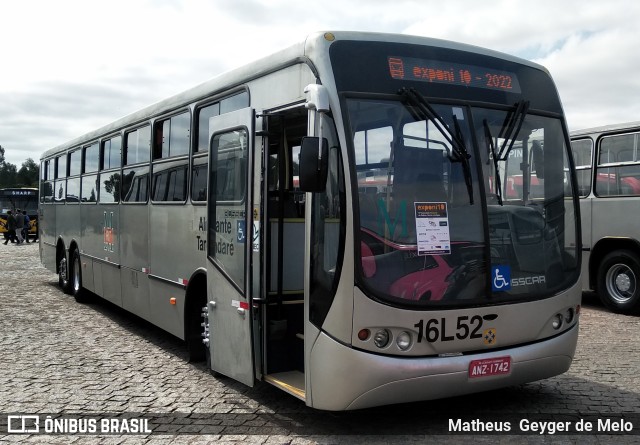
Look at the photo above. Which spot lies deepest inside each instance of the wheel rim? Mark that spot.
(63, 270)
(76, 274)
(621, 283)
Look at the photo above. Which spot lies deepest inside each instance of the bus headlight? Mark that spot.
(381, 339)
(557, 321)
(569, 315)
(404, 340)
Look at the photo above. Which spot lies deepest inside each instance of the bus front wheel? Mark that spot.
(619, 281)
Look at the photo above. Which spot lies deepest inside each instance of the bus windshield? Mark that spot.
(422, 179)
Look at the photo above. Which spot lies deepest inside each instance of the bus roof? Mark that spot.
(308, 51)
(606, 129)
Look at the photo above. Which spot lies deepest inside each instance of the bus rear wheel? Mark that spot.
(619, 282)
(63, 275)
(79, 293)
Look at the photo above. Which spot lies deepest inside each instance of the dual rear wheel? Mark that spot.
(70, 276)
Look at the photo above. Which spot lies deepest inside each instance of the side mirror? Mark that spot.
(313, 164)
(538, 159)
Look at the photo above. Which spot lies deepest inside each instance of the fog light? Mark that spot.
(557, 321)
(381, 339)
(404, 340)
(568, 316)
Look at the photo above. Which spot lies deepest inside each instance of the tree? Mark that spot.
(29, 173)
(8, 174)
(112, 185)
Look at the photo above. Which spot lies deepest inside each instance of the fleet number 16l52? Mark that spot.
(436, 329)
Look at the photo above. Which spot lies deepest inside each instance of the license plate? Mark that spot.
(490, 366)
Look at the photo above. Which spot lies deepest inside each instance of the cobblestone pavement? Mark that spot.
(63, 359)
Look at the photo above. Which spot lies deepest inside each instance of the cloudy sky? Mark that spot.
(68, 67)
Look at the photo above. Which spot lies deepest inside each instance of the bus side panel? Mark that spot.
(171, 243)
(109, 239)
(97, 278)
(586, 206)
(134, 252)
(87, 273)
(163, 313)
(91, 245)
(173, 256)
(134, 246)
(135, 292)
(604, 220)
(111, 283)
(177, 241)
(47, 223)
(48, 256)
(91, 240)
(68, 223)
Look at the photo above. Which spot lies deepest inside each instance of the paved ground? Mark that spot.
(69, 360)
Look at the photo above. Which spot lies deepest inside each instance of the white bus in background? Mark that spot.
(328, 220)
(608, 171)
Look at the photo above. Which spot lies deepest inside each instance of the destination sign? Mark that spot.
(436, 71)
(18, 192)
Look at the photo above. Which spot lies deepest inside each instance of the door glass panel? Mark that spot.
(227, 212)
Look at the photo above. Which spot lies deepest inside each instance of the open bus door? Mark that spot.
(229, 249)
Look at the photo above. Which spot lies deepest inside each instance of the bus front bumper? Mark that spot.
(343, 378)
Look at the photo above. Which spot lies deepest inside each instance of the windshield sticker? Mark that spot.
(256, 236)
(501, 278)
(241, 231)
(432, 228)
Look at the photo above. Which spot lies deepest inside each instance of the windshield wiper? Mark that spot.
(464, 160)
(494, 157)
(421, 109)
(510, 129)
(508, 132)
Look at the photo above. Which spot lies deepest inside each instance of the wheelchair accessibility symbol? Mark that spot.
(500, 278)
(241, 231)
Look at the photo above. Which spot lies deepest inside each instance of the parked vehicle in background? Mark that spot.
(25, 199)
(608, 171)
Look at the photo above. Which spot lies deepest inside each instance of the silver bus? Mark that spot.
(608, 171)
(337, 220)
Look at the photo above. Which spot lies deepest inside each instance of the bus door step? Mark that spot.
(289, 381)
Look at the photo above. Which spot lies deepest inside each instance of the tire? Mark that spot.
(206, 332)
(63, 275)
(78, 292)
(619, 282)
(195, 332)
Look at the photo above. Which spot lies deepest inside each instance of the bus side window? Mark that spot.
(199, 183)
